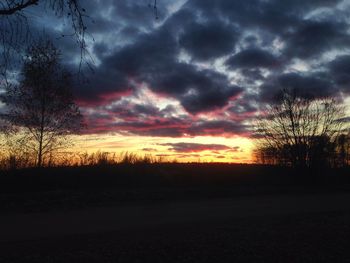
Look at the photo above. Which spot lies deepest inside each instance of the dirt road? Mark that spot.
(242, 228)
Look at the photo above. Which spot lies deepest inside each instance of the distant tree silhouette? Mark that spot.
(300, 132)
(343, 150)
(41, 109)
(3, 129)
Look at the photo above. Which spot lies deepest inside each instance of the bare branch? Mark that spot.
(16, 7)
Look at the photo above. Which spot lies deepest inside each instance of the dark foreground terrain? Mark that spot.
(182, 214)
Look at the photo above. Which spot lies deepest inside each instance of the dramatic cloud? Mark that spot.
(311, 86)
(195, 147)
(340, 71)
(209, 41)
(315, 37)
(204, 67)
(219, 127)
(210, 92)
(252, 58)
(153, 56)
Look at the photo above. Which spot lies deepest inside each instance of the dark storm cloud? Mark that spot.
(252, 58)
(181, 128)
(137, 61)
(153, 59)
(109, 15)
(148, 54)
(103, 86)
(197, 90)
(101, 50)
(259, 39)
(170, 127)
(177, 78)
(315, 37)
(243, 107)
(311, 86)
(340, 71)
(194, 147)
(151, 121)
(218, 127)
(251, 75)
(275, 15)
(209, 40)
(146, 109)
(129, 111)
(209, 99)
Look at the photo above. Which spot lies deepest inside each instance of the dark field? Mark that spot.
(175, 213)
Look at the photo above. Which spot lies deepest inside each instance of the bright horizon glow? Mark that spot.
(240, 151)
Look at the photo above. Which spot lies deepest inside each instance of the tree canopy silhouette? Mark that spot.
(300, 131)
(41, 109)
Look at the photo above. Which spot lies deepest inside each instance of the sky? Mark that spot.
(189, 85)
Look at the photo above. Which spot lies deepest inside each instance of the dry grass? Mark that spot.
(64, 159)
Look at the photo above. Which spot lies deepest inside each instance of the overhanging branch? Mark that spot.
(18, 7)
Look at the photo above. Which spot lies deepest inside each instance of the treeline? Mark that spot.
(303, 132)
(65, 159)
(322, 152)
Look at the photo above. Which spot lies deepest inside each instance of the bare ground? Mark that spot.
(258, 228)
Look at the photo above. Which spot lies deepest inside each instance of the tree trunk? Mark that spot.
(40, 151)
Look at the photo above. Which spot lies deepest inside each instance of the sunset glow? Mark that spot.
(196, 149)
(188, 82)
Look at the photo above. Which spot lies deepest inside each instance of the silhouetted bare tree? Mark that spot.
(298, 131)
(41, 109)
